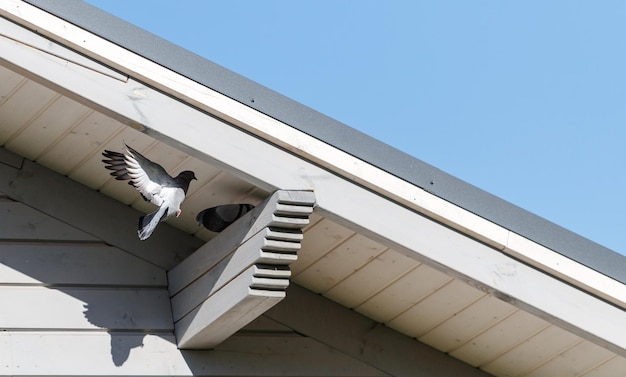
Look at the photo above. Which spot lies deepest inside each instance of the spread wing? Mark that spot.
(147, 177)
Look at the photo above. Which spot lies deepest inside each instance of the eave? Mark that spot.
(477, 263)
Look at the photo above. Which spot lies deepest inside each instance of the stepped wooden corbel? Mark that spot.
(239, 274)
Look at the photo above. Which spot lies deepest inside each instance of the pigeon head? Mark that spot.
(185, 178)
(187, 175)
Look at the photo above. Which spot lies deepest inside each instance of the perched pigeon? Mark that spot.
(154, 184)
(218, 218)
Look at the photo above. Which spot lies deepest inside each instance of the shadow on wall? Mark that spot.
(121, 346)
(69, 283)
(122, 337)
(60, 278)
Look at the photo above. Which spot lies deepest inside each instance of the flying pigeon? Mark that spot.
(220, 217)
(154, 184)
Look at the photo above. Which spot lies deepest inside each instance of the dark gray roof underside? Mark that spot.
(339, 135)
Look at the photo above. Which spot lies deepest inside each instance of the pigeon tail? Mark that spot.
(148, 223)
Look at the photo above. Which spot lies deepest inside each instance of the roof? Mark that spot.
(414, 248)
(341, 136)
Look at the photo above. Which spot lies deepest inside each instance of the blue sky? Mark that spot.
(526, 100)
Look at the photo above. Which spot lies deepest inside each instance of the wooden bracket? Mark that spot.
(239, 274)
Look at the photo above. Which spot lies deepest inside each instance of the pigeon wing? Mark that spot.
(154, 184)
(148, 177)
(115, 162)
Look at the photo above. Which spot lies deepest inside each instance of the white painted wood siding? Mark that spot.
(48, 267)
(73, 305)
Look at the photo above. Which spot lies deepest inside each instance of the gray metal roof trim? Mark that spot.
(339, 135)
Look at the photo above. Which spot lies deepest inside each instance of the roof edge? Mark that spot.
(340, 136)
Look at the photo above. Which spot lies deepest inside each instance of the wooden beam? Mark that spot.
(84, 308)
(27, 223)
(239, 274)
(155, 354)
(345, 330)
(225, 313)
(10, 159)
(31, 263)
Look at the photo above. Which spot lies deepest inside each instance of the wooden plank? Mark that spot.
(10, 83)
(196, 334)
(24, 263)
(20, 222)
(533, 352)
(141, 354)
(10, 159)
(319, 239)
(608, 368)
(500, 338)
(286, 353)
(313, 315)
(583, 356)
(22, 107)
(225, 312)
(339, 263)
(83, 172)
(65, 56)
(262, 324)
(283, 235)
(85, 308)
(6, 348)
(567, 269)
(435, 309)
(88, 353)
(457, 330)
(64, 113)
(403, 293)
(95, 214)
(79, 144)
(272, 271)
(373, 277)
